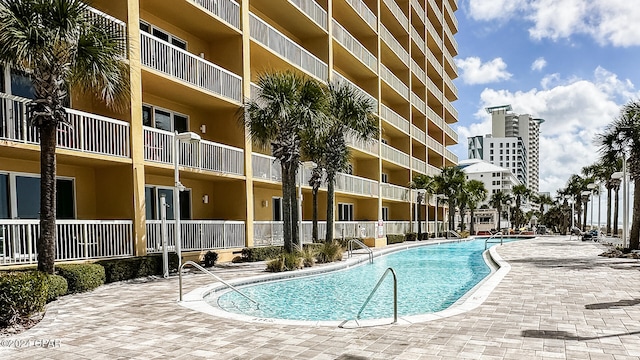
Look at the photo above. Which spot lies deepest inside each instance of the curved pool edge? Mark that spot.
(194, 300)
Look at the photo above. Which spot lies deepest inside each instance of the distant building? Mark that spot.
(494, 178)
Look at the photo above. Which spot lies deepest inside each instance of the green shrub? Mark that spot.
(276, 265)
(57, 287)
(308, 255)
(82, 277)
(210, 258)
(285, 262)
(330, 252)
(261, 253)
(131, 268)
(411, 236)
(21, 295)
(394, 239)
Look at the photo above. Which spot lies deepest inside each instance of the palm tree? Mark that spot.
(426, 183)
(496, 201)
(543, 200)
(622, 138)
(350, 114)
(575, 185)
(313, 149)
(450, 182)
(522, 193)
(475, 193)
(63, 49)
(287, 106)
(601, 171)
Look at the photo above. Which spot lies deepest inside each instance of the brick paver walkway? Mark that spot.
(559, 301)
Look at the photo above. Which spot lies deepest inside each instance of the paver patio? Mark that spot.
(559, 301)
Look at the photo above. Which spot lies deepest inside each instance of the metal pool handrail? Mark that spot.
(214, 276)
(395, 294)
(362, 245)
(493, 237)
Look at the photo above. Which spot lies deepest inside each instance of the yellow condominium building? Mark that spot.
(192, 62)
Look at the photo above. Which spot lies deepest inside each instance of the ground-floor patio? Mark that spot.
(559, 301)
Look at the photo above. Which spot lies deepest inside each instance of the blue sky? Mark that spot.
(570, 62)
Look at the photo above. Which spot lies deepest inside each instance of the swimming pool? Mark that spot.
(430, 279)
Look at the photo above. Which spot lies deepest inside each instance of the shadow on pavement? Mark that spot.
(612, 305)
(563, 335)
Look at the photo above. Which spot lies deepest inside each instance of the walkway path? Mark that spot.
(559, 301)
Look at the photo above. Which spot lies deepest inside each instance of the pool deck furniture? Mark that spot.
(559, 301)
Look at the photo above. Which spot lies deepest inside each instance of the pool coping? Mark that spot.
(194, 300)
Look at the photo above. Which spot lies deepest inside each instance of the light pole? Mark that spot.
(592, 187)
(305, 165)
(189, 137)
(585, 199)
(508, 202)
(438, 197)
(419, 198)
(570, 199)
(625, 207)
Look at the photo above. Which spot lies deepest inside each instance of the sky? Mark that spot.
(573, 63)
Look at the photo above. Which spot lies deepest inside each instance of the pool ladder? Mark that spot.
(486, 241)
(362, 246)
(214, 276)
(375, 289)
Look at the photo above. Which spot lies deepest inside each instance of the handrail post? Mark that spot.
(395, 294)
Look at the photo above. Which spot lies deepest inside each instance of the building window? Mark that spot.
(501, 144)
(345, 212)
(164, 119)
(507, 144)
(385, 178)
(277, 208)
(152, 202)
(491, 158)
(491, 145)
(20, 197)
(385, 213)
(163, 35)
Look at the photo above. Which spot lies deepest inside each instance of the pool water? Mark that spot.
(430, 279)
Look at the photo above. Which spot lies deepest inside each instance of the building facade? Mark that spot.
(505, 152)
(192, 62)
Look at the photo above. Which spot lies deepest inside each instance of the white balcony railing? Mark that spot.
(450, 156)
(313, 10)
(422, 45)
(356, 185)
(171, 60)
(394, 45)
(373, 99)
(449, 10)
(393, 81)
(394, 192)
(434, 34)
(418, 103)
(273, 39)
(116, 26)
(437, 119)
(419, 166)
(84, 132)
(266, 167)
(434, 62)
(397, 13)
(75, 240)
(205, 155)
(433, 171)
(269, 233)
(435, 145)
(451, 86)
(449, 35)
(365, 13)
(350, 43)
(227, 10)
(369, 146)
(418, 134)
(451, 109)
(449, 60)
(397, 227)
(421, 14)
(434, 90)
(436, 10)
(392, 154)
(394, 119)
(197, 235)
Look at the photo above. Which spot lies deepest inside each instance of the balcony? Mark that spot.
(397, 13)
(452, 41)
(274, 40)
(394, 119)
(419, 166)
(435, 10)
(435, 145)
(435, 91)
(341, 78)
(392, 154)
(435, 118)
(434, 34)
(418, 8)
(269, 233)
(173, 61)
(394, 192)
(356, 185)
(450, 132)
(75, 240)
(227, 10)
(116, 26)
(419, 135)
(452, 87)
(266, 167)
(449, 12)
(418, 40)
(84, 132)
(451, 109)
(197, 235)
(450, 156)
(352, 45)
(452, 68)
(434, 62)
(370, 147)
(418, 103)
(365, 13)
(394, 45)
(418, 72)
(313, 10)
(393, 81)
(204, 155)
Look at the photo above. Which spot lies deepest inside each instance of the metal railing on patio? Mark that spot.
(227, 10)
(83, 132)
(75, 240)
(197, 235)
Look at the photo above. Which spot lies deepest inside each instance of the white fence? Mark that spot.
(354, 46)
(268, 233)
(394, 45)
(390, 78)
(171, 60)
(365, 13)
(205, 155)
(197, 235)
(83, 131)
(313, 10)
(75, 240)
(228, 10)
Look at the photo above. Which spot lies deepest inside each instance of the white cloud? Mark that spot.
(539, 64)
(609, 22)
(476, 72)
(575, 110)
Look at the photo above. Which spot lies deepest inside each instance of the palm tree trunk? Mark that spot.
(295, 224)
(287, 214)
(330, 195)
(471, 227)
(584, 214)
(314, 216)
(616, 208)
(419, 222)
(46, 243)
(634, 236)
(609, 191)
